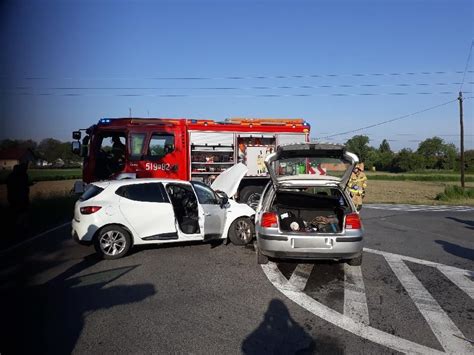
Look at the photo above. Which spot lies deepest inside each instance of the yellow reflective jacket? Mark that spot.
(357, 183)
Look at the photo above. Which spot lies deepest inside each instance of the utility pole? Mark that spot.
(462, 137)
(130, 112)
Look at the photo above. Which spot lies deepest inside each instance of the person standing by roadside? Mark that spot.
(357, 185)
(18, 196)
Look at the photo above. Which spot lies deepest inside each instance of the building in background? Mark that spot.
(13, 156)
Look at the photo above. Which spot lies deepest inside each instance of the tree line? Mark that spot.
(432, 153)
(48, 149)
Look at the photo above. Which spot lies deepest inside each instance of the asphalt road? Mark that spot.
(57, 297)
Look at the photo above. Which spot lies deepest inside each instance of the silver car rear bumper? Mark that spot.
(311, 247)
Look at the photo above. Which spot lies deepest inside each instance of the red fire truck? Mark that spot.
(186, 149)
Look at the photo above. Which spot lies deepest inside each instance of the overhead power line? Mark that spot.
(423, 93)
(467, 65)
(246, 77)
(325, 86)
(388, 121)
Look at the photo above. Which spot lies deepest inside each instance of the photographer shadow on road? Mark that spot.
(278, 334)
(49, 318)
(469, 223)
(456, 250)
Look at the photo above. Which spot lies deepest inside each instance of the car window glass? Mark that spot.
(150, 192)
(111, 141)
(319, 166)
(91, 191)
(205, 194)
(327, 193)
(160, 144)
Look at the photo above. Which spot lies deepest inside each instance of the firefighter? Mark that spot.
(118, 153)
(357, 185)
(118, 148)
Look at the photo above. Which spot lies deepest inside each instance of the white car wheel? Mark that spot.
(112, 242)
(241, 231)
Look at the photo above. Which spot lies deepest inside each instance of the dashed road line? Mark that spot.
(355, 300)
(356, 316)
(442, 326)
(419, 208)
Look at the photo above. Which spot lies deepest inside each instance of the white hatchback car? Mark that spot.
(115, 215)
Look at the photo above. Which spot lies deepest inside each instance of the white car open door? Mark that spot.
(147, 209)
(213, 212)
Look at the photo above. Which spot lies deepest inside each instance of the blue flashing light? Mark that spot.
(305, 123)
(105, 120)
(193, 121)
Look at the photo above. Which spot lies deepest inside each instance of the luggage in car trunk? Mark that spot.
(304, 212)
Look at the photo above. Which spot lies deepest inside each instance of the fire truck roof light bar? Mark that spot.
(250, 122)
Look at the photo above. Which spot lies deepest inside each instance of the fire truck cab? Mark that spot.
(185, 149)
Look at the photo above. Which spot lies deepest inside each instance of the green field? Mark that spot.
(46, 174)
(437, 176)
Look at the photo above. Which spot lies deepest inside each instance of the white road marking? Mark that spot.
(460, 279)
(442, 326)
(300, 276)
(32, 239)
(338, 319)
(420, 261)
(449, 336)
(355, 301)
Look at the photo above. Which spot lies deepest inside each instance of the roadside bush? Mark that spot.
(455, 193)
(468, 161)
(407, 160)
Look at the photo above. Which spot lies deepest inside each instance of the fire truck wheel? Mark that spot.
(112, 242)
(241, 231)
(250, 195)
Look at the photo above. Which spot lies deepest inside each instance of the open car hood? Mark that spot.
(229, 180)
(310, 164)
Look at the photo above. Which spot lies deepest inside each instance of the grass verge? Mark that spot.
(410, 192)
(456, 193)
(419, 177)
(46, 174)
(45, 212)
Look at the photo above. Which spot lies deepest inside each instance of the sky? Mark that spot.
(340, 65)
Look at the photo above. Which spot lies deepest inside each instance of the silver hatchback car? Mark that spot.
(306, 212)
